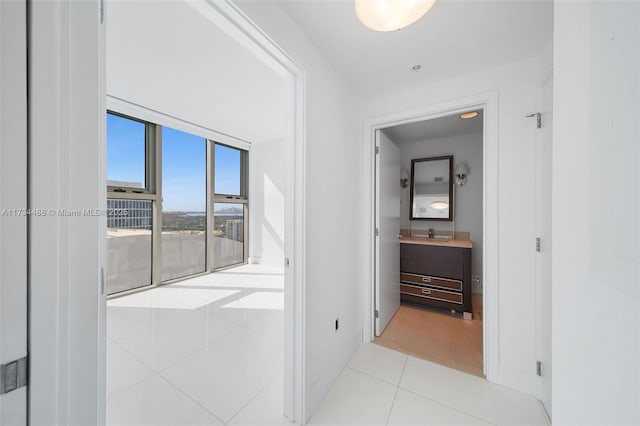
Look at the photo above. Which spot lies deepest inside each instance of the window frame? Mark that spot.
(243, 199)
(150, 165)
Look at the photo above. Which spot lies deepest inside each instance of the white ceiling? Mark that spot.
(448, 126)
(455, 37)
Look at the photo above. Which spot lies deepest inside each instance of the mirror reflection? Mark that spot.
(431, 189)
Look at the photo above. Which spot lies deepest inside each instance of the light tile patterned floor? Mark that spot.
(198, 359)
(381, 386)
(208, 351)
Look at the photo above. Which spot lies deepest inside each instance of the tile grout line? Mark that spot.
(377, 378)
(191, 398)
(118, 393)
(404, 367)
(449, 407)
(253, 398)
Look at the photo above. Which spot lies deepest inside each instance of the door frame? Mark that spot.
(13, 202)
(541, 334)
(295, 229)
(72, 331)
(488, 102)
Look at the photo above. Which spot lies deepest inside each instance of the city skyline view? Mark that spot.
(183, 163)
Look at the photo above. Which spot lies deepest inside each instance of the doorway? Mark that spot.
(430, 238)
(487, 105)
(219, 114)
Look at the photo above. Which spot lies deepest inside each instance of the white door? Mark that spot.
(543, 258)
(13, 202)
(388, 225)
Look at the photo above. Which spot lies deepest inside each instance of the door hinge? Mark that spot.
(539, 368)
(377, 150)
(377, 232)
(13, 375)
(538, 245)
(287, 262)
(538, 117)
(377, 314)
(102, 283)
(101, 11)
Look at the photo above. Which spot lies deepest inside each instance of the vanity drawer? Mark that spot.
(431, 293)
(442, 283)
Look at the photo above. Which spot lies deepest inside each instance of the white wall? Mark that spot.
(596, 206)
(187, 64)
(515, 85)
(333, 179)
(266, 203)
(468, 198)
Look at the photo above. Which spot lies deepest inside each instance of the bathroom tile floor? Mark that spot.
(436, 335)
(209, 351)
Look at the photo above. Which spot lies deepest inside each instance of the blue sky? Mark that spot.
(183, 163)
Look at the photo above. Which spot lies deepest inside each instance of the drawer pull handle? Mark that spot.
(426, 279)
(426, 291)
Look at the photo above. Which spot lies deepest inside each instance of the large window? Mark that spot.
(129, 224)
(177, 204)
(230, 206)
(127, 152)
(184, 204)
(228, 170)
(228, 232)
(130, 204)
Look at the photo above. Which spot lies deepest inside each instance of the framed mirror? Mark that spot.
(432, 189)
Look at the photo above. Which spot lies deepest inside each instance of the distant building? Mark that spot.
(235, 229)
(122, 183)
(129, 214)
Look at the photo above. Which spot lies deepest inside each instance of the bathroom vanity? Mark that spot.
(436, 273)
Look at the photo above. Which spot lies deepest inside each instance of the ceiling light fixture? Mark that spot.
(390, 15)
(472, 114)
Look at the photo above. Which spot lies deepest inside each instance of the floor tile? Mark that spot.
(380, 362)
(265, 409)
(411, 409)
(173, 297)
(355, 399)
(156, 402)
(123, 370)
(224, 377)
(123, 322)
(470, 394)
(172, 335)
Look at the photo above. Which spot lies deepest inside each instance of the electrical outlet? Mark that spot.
(337, 323)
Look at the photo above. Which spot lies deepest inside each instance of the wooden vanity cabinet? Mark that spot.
(436, 275)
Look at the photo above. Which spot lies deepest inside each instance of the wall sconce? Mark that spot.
(404, 178)
(461, 174)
